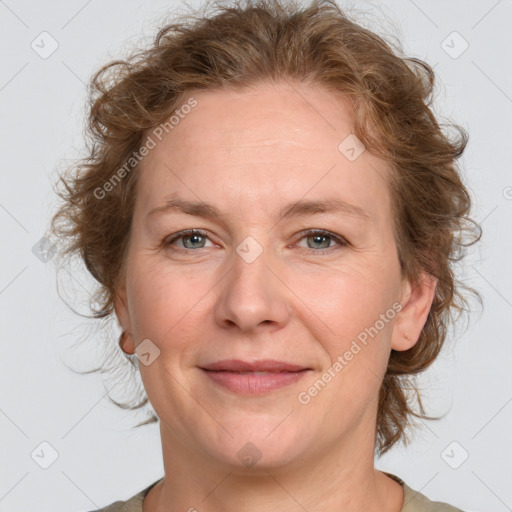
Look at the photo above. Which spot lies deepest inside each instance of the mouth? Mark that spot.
(263, 365)
(253, 378)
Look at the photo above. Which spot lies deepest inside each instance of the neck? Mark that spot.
(342, 479)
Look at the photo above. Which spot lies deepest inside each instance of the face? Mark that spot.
(264, 280)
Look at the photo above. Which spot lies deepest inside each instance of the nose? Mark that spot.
(252, 294)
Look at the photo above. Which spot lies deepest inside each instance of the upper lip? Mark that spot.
(264, 365)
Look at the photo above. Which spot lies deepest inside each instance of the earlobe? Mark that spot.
(126, 342)
(416, 301)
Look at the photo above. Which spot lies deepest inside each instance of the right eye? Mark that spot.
(191, 239)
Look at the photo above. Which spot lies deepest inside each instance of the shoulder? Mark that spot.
(133, 504)
(415, 501)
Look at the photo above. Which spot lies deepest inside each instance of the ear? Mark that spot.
(416, 302)
(123, 316)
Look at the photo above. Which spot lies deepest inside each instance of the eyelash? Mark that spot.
(304, 234)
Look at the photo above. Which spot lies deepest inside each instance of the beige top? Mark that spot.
(413, 501)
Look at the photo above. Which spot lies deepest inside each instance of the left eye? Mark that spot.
(322, 238)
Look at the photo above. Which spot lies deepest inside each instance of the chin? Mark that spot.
(257, 444)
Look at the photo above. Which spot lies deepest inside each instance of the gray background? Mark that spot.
(99, 458)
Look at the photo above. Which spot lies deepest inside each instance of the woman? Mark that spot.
(272, 211)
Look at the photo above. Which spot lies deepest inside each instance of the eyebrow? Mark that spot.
(294, 209)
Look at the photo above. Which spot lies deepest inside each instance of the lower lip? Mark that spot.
(251, 384)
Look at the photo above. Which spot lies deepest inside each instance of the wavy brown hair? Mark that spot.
(255, 41)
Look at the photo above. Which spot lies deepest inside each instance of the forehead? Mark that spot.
(286, 116)
(261, 145)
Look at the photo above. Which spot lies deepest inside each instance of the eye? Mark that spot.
(191, 239)
(322, 239)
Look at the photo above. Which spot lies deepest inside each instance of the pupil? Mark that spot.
(318, 238)
(194, 238)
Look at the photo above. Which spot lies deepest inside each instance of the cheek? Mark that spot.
(165, 300)
(350, 314)
(344, 303)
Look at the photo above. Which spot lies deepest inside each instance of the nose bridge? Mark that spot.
(252, 294)
(251, 259)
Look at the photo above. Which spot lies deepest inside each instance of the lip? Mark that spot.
(262, 365)
(277, 374)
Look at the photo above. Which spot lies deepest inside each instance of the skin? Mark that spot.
(250, 153)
